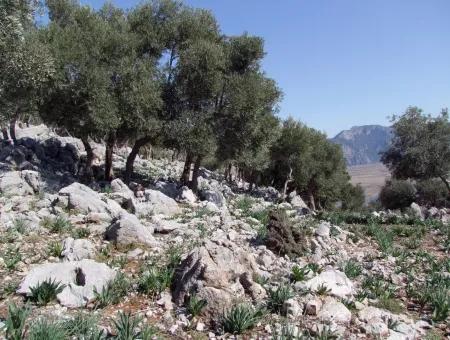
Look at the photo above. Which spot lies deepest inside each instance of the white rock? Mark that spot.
(76, 250)
(186, 195)
(79, 277)
(157, 203)
(323, 230)
(292, 308)
(334, 280)
(334, 311)
(127, 229)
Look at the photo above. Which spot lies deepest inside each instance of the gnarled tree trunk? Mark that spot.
(447, 184)
(12, 129)
(110, 142)
(129, 167)
(186, 175)
(286, 183)
(193, 185)
(5, 134)
(88, 173)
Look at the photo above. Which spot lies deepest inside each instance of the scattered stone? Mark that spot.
(76, 250)
(127, 229)
(335, 280)
(334, 311)
(77, 291)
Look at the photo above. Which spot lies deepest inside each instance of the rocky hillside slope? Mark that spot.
(151, 260)
(363, 144)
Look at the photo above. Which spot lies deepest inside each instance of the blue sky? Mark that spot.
(346, 62)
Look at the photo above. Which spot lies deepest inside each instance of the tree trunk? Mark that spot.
(312, 203)
(286, 183)
(447, 184)
(12, 129)
(186, 175)
(195, 173)
(5, 134)
(110, 142)
(129, 167)
(89, 174)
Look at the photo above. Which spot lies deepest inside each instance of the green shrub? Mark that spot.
(55, 249)
(277, 298)
(80, 233)
(45, 292)
(240, 318)
(43, 329)
(155, 280)
(397, 194)
(82, 325)
(12, 257)
(195, 305)
(20, 225)
(433, 192)
(56, 224)
(15, 321)
(112, 292)
(299, 274)
(126, 327)
(352, 269)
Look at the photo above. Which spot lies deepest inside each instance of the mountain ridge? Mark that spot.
(363, 144)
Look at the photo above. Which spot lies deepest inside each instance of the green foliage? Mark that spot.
(322, 289)
(112, 292)
(46, 329)
(352, 197)
(82, 325)
(11, 257)
(80, 233)
(432, 192)
(299, 274)
(241, 318)
(56, 224)
(352, 269)
(45, 292)
(397, 194)
(277, 297)
(155, 280)
(15, 321)
(420, 148)
(55, 249)
(20, 225)
(126, 327)
(195, 305)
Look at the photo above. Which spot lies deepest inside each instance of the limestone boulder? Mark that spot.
(79, 278)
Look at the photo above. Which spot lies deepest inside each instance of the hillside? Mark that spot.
(363, 144)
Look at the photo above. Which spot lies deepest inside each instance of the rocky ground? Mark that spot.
(151, 260)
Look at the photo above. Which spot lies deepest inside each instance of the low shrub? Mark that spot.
(241, 318)
(45, 292)
(397, 194)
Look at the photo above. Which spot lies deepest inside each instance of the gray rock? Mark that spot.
(20, 183)
(213, 196)
(417, 210)
(123, 195)
(334, 280)
(186, 195)
(334, 311)
(76, 250)
(313, 306)
(79, 277)
(80, 197)
(127, 229)
(292, 309)
(323, 230)
(163, 226)
(157, 203)
(213, 273)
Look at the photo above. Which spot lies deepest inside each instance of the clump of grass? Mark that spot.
(15, 321)
(299, 274)
(45, 292)
(55, 249)
(127, 327)
(155, 281)
(11, 258)
(46, 329)
(244, 204)
(20, 225)
(241, 318)
(322, 290)
(112, 292)
(315, 268)
(56, 224)
(80, 233)
(195, 305)
(390, 304)
(82, 325)
(278, 296)
(352, 269)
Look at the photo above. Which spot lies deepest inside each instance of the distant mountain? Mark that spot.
(363, 144)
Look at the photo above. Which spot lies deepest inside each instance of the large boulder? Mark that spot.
(219, 272)
(122, 194)
(76, 250)
(334, 311)
(82, 198)
(336, 281)
(157, 203)
(20, 183)
(213, 196)
(127, 229)
(80, 278)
